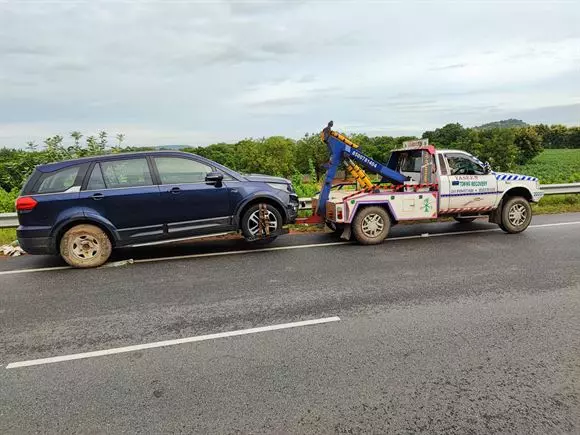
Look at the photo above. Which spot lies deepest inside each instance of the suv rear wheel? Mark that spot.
(85, 245)
(251, 222)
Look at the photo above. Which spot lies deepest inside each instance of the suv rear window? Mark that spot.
(57, 181)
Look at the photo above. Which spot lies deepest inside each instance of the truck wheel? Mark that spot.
(85, 245)
(371, 225)
(516, 215)
(463, 220)
(250, 222)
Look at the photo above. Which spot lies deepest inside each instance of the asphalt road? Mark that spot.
(473, 332)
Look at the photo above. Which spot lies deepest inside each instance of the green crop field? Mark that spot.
(554, 166)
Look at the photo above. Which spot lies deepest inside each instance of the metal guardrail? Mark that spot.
(10, 220)
(558, 189)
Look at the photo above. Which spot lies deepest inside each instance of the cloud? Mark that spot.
(221, 70)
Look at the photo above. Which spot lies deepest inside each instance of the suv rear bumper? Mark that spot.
(37, 245)
(36, 240)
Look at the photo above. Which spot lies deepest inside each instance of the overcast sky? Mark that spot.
(198, 72)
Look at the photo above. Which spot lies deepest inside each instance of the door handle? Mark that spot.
(97, 196)
(175, 190)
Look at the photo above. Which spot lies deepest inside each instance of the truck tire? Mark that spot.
(463, 220)
(516, 215)
(85, 246)
(371, 225)
(249, 225)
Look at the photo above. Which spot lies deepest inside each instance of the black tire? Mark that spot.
(463, 220)
(85, 246)
(371, 225)
(516, 215)
(248, 225)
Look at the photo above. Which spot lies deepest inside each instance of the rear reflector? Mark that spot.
(25, 203)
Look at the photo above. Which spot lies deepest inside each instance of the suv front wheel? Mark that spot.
(85, 245)
(251, 227)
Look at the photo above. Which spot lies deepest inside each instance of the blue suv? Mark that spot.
(82, 209)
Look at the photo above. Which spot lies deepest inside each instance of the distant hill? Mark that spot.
(506, 123)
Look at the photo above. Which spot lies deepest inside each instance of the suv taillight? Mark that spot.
(25, 203)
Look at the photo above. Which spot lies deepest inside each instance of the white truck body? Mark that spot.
(460, 186)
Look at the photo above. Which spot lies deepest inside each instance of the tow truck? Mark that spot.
(418, 183)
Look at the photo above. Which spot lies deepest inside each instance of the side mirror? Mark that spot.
(487, 167)
(214, 178)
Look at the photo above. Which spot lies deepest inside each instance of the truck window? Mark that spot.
(411, 162)
(460, 164)
(442, 165)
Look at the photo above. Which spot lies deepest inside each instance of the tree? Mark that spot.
(573, 137)
(31, 146)
(276, 156)
(495, 146)
(120, 138)
(76, 148)
(453, 136)
(223, 153)
(310, 153)
(102, 140)
(93, 148)
(76, 135)
(529, 143)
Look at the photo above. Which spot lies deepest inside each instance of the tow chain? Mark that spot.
(263, 221)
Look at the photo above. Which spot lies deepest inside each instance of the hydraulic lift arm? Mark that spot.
(342, 149)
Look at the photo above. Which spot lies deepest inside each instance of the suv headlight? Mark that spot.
(281, 186)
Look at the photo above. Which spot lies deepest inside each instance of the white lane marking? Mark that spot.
(56, 359)
(40, 269)
(286, 248)
(245, 251)
(557, 224)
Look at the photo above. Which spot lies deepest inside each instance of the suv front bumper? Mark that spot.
(292, 212)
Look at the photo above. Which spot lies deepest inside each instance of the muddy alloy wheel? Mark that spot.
(371, 225)
(516, 215)
(85, 245)
(251, 222)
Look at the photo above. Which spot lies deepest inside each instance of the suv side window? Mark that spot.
(460, 164)
(58, 181)
(117, 174)
(96, 180)
(177, 170)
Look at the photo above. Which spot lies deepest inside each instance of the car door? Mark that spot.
(191, 206)
(122, 191)
(470, 188)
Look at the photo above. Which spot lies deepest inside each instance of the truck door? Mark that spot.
(469, 190)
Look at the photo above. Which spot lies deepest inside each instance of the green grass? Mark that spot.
(554, 166)
(557, 204)
(7, 201)
(7, 235)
